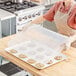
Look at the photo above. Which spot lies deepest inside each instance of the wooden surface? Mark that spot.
(64, 68)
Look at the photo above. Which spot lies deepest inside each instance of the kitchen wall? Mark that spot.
(50, 25)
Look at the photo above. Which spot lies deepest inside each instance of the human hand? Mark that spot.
(70, 40)
(73, 38)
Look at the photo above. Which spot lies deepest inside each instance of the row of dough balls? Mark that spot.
(31, 61)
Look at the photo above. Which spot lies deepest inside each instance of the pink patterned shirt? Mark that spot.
(72, 16)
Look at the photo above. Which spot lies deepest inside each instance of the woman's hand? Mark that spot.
(72, 38)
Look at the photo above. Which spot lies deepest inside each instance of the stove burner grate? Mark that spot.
(12, 7)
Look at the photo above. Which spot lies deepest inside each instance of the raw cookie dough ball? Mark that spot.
(22, 56)
(39, 65)
(50, 62)
(58, 57)
(31, 61)
(13, 51)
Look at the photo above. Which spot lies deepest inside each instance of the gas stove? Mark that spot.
(24, 12)
(13, 7)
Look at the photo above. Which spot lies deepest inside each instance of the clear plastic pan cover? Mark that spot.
(50, 38)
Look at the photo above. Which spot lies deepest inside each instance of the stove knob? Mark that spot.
(20, 19)
(29, 16)
(33, 15)
(38, 13)
(16, 14)
(25, 17)
(18, 24)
